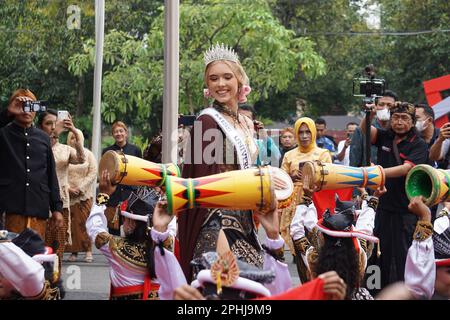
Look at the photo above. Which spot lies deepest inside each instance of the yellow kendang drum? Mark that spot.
(249, 189)
(134, 171)
(433, 184)
(329, 176)
(285, 200)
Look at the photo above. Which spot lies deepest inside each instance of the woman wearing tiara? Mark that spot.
(232, 148)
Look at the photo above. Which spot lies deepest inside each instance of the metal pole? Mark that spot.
(171, 81)
(367, 137)
(99, 33)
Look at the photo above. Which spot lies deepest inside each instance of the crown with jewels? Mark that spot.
(220, 52)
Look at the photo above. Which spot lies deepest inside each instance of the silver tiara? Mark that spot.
(220, 52)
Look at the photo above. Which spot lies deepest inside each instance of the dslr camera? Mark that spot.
(34, 106)
(367, 86)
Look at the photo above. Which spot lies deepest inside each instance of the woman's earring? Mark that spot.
(206, 93)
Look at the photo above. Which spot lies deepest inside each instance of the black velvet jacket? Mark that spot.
(28, 182)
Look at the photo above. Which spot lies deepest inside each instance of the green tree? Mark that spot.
(330, 93)
(405, 61)
(35, 46)
(410, 60)
(133, 84)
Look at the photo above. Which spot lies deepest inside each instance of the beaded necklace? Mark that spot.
(235, 116)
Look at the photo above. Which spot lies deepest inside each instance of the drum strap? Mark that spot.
(125, 161)
(323, 173)
(261, 202)
(232, 134)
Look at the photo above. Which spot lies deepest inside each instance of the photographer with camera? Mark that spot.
(357, 157)
(400, 148)
(29, 187)
(343, 150)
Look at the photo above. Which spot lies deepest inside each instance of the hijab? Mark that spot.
(312, 127)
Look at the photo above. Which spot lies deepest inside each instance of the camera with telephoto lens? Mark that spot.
(368, 86)
(34, 106)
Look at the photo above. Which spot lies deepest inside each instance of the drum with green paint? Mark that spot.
(433, 184)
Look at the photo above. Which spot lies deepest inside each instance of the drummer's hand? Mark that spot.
(297, 176)
(270, 222)
(105, 185)
(380, 191)
(161, 218)
(420, 209)
(279, 184)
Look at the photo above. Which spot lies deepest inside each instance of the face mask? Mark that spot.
(383, 115)
(419, 125)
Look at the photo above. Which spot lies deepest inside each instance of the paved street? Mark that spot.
(94, 284)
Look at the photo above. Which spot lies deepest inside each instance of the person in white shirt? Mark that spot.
(336, 242)
(28, 269)
(427, 270)
(343, 151)
(139, 258)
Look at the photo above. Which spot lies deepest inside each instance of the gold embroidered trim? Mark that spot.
(136, 295)
(277, 254)
(312, 256)
(315, 238)
(302, 245)
(168, 243)
(442, 213)
(102, 239)
(102, 198)
(373, 203)
(131, 254)
(243, 250)
(424, 230)
(367, 246)
(362, 265)
(47, 293)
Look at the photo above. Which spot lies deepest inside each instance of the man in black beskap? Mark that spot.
(120, 134)
(29, 189)
(400, 148)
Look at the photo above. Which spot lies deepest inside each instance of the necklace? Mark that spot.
(235, 116)
(224, 109)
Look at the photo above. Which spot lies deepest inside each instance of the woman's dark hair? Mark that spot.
(426, 109)
(339, 254)
(42, 116)
(141, 234)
